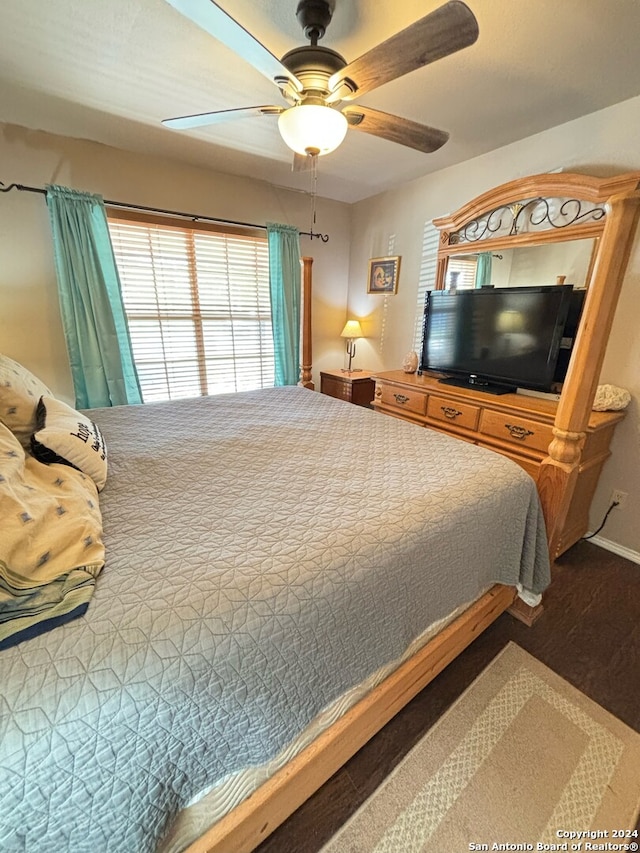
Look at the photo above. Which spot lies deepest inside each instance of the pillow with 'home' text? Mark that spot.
(67, 436)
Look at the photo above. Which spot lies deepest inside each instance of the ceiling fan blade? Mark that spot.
(395, 129)
(214, 20)
(203, 119)
(440, 33)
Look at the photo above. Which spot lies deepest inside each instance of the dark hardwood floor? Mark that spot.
(589, 633)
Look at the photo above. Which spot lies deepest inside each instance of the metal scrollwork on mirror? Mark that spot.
(525, 217)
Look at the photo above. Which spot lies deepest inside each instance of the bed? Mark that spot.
(274, 559)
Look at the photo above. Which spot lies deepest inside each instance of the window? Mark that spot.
(198, 307)
(461, 272)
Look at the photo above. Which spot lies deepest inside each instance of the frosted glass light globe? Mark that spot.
(312, 128)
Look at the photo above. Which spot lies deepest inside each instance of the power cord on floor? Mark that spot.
(604, 521)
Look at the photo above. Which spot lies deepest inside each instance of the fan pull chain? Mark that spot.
(314, 187)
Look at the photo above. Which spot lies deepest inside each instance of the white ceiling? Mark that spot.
(110, 70)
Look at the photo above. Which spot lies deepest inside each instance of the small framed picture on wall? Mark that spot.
(383, 275)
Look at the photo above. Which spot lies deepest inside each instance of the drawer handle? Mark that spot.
(401, 398)
(450, 412)
(518, 432)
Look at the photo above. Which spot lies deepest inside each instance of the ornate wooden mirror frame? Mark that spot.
(551, 208)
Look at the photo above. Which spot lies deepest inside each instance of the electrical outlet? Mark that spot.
(619, 497)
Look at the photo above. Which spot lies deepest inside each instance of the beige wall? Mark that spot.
(604, 143)
(30, 326)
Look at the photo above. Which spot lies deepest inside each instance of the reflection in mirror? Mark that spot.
(523, 266)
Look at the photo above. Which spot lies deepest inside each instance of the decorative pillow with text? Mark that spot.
(67, 436)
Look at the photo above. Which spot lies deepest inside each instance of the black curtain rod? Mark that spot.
(193, 217)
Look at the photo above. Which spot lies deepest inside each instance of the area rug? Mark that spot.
(521, 761)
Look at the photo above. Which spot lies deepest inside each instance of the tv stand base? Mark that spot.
(477, 385)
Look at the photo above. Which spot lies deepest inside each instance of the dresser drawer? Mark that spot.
(403, 398)
(460, 414)
(516, 430)
(470, 439)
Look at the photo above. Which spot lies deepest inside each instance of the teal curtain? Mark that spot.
(284, 287)
(93, 316)
(483, 269)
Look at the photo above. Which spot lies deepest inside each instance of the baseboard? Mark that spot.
(620, 550)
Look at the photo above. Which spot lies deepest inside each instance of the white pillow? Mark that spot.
(51, 547)
(67, 436)
(20, 391)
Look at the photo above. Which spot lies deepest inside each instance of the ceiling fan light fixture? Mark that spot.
(312, 128)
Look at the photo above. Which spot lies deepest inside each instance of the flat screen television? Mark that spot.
(496, 339)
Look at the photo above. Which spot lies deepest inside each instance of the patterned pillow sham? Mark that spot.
(20, 391)
(51, 548)
(66, 436)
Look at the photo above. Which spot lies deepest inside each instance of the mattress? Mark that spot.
(265, 553)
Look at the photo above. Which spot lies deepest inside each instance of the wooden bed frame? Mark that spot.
(253, 820)
(259, 815)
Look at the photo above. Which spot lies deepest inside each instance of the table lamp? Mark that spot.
(351, 331)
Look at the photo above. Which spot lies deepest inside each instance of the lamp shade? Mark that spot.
(312, 129)
(510, 321)
(352, 329)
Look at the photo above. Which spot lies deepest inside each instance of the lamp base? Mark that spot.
(351, 369)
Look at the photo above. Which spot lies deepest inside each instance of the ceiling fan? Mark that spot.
(315, 80)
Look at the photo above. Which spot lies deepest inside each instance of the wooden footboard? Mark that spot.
(260, 814)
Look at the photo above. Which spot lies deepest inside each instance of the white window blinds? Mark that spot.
(427, 279)
(198, 308)
(461, 272)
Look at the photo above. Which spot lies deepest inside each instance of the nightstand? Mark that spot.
(356, 386)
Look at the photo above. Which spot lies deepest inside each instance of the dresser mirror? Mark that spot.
(524, 266)
(541, 228)
(550, 226)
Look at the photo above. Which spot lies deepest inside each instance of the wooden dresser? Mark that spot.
(356, 386)
(515, 425)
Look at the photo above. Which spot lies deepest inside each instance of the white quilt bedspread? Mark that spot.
(265, 552)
